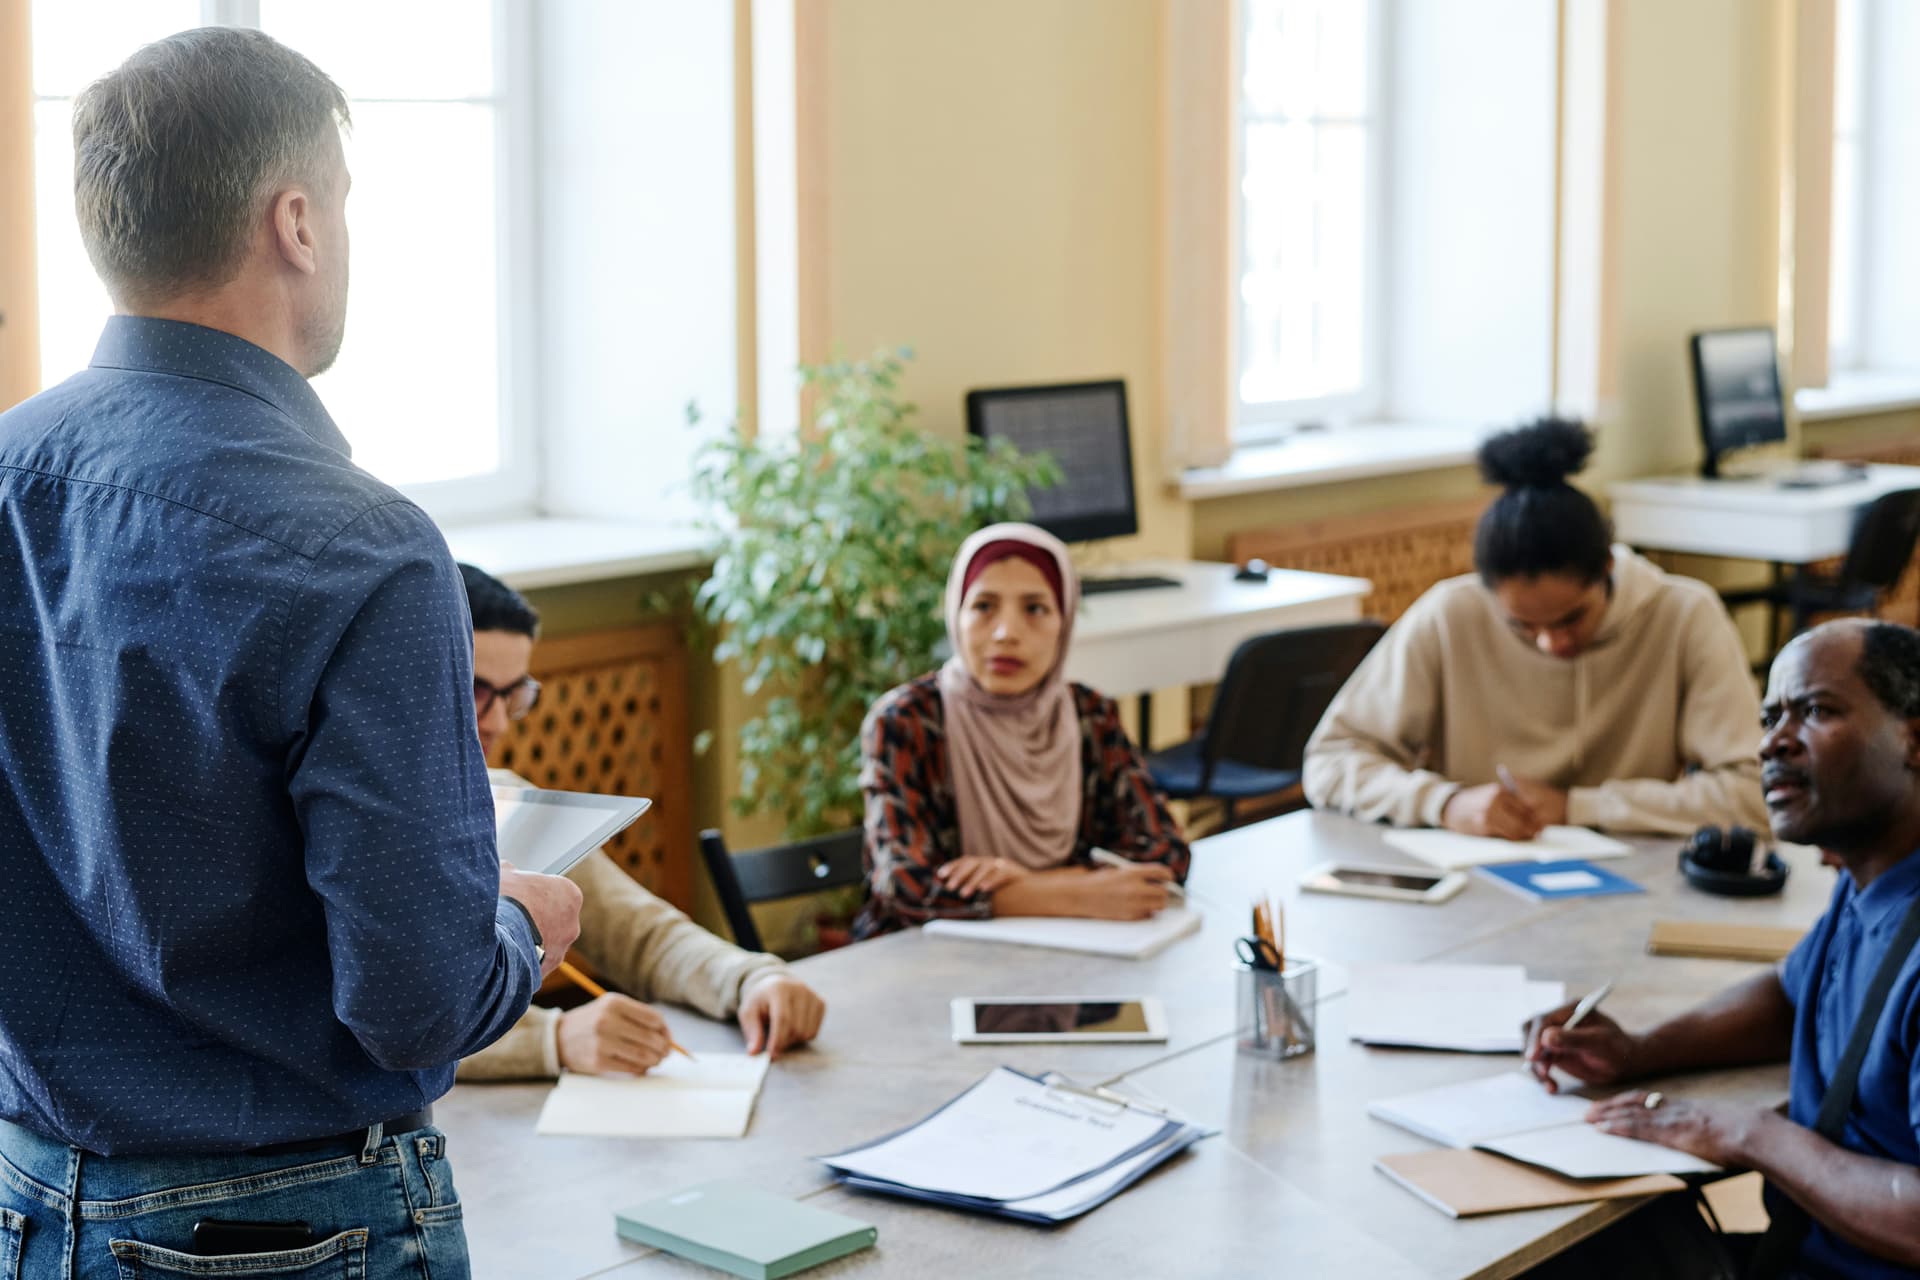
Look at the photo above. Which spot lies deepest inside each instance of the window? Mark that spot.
(423, 387)
(1311, 148)
(1397, 213)
(1843, 283)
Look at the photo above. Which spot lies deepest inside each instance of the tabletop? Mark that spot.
(1290, 1177)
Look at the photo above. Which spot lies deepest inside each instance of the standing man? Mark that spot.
(1840, 761)
(253, 913)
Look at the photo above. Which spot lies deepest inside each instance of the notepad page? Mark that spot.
(1474, 1113)
(1006, 1138)
(708, 1097)
(1468, 1008)
(1451, 850)
(1125, 939)
(1582, 1151)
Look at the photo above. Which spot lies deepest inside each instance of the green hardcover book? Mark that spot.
(744, 1230)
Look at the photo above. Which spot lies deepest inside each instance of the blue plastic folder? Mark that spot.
(1033, 1149)
(1551, 881)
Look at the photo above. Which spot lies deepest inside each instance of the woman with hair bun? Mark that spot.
(1611, 694)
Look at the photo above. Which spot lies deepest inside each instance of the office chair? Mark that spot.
(1878, 553)
(778, 871)
(1276, 688)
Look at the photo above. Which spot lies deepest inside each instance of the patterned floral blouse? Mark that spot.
(912, 820)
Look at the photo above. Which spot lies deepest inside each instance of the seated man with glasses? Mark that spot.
(637, 942)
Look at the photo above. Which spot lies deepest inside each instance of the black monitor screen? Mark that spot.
(1737, 385)
(1084, 426)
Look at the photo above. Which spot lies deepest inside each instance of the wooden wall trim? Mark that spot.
(1402, 552)
(19, 310)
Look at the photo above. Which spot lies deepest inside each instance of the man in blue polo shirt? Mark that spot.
(1841, 769)
(252, 912)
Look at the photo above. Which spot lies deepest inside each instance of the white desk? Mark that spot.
(1748, 519)
(1134, 642)
(1287, 1188)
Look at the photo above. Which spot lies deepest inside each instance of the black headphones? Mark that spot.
(1721, 861)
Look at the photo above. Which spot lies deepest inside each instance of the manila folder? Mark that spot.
(1463, 1184)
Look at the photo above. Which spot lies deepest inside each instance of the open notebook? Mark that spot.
(708, 1097)
(1450, 850)
(1511, 1115)
(1126, 939)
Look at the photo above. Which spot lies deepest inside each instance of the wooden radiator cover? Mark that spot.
(1401, 552)
(613, 717)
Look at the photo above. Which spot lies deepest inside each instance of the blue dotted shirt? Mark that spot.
(248, 885)
(1826, 978)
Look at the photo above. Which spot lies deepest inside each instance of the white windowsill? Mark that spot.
(1859, 391)
(555, 551)
(1325, 457)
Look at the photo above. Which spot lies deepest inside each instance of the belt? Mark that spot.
(351, 1140)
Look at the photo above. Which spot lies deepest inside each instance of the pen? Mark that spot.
(1108, 858)
(1507, 784)
(595, 990)
(1588, 1003)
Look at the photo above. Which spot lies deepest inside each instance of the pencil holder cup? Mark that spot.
(1276, 1009)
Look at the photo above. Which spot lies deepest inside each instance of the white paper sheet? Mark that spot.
(1471, 1008)
(1006, 1138)
(708, 1097)
(1125, 939)
(1582, 1151)
(1471, 1114)
(1450, 850)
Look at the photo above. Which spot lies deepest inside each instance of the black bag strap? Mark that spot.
(1781, 1243)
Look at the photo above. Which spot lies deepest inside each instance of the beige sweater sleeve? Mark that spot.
(1366, 756)
(641, 946)
(1719, 744)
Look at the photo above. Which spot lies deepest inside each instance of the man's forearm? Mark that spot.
(1747, 1024)
(1871, 1203)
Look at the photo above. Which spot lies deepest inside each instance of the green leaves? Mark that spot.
(834, 544)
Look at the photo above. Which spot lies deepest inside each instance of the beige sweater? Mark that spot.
(641, 946)
(1654, 728)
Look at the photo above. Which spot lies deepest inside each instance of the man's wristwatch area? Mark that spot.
(539, 944)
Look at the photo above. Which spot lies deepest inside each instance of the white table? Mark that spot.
(1287, 1188)
(1749, 519)
(1134, 642)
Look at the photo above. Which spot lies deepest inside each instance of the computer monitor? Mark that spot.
(1736, 383)
(1084, 426)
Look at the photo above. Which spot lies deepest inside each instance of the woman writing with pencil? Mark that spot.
(1567, 681)
(991, 782)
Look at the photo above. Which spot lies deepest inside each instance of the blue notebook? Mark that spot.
(1551, 881)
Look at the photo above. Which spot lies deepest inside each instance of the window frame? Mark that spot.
(1266, 422)
(1852, 358)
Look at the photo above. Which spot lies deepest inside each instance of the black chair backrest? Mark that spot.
(1883, 540)
(1276, 688)
(778, 871)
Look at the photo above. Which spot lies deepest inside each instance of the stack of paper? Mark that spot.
(1039, 1150)
(1126, 939)
(1471, 1008)
(1512, 1115)
(1451, 850)
(708, 1097)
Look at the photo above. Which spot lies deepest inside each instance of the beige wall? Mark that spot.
(19, 334)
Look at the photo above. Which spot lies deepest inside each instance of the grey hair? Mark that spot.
(1890, 666)
(177, 150)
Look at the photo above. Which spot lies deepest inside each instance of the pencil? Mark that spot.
(595, 990)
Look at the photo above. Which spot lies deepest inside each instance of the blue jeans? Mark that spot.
(383, 1212)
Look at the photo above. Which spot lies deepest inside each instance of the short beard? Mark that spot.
(323, 333)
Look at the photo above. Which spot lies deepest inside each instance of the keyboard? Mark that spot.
(1106, 586)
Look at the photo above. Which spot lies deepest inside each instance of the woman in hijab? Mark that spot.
(990, 782)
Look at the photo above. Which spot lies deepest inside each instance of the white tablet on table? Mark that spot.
(549, 831)
(1057, 1019)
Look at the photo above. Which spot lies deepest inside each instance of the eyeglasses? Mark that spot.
(519, 696)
